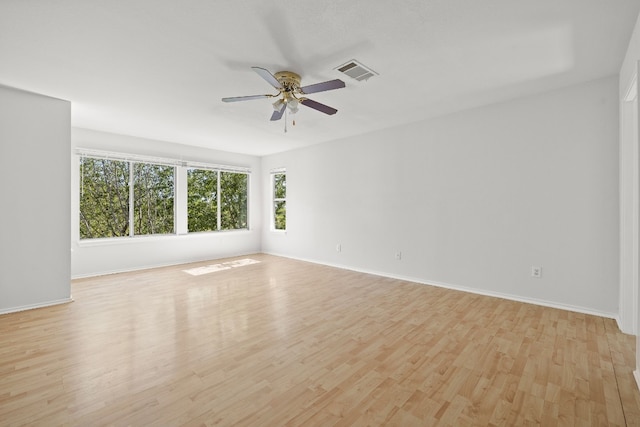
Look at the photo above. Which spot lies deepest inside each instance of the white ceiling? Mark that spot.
(158, 68)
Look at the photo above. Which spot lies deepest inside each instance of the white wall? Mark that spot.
(628, 191)
(34, 183)
(106, 256)
(629, 188)
(472, 200)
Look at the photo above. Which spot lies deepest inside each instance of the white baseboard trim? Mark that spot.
(619, 323)
(535, 301)
(148, 267)
(32, 306)
(636, 375)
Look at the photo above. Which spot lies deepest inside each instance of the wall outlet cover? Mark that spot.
(536, 272)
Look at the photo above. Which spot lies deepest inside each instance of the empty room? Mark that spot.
(303, 213)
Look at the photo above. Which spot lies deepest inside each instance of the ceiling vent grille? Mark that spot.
(356, 71)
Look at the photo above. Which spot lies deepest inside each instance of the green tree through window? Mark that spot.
(233, 200)
(105, 202)
(280, 201)
(109, 207)
(217, 200)
(202, 200)
(153, 199)
(104, 198)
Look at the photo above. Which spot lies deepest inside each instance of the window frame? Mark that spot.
(275, 200)
(217, 173)
(180, 194)
(132, 200)
(220, 199)
(125, 179)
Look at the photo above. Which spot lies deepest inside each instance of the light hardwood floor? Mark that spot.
(285, 342)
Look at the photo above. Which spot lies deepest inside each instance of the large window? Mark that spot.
(217, 200)
(108, 207)
(279, 180)
(120, 197)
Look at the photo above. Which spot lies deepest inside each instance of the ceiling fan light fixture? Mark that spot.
(292, 104)
(277, 106)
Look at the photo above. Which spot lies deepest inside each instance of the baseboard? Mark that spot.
(148, 267)
(619, 323)
(534, 301)
(510, 297)
(636, 375)
(32, 306)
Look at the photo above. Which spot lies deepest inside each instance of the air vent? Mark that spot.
(356, 71)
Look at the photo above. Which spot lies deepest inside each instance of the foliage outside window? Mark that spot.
(280, 201)
(153, 199)
(217, 200)
(202, 200)
(120, 198)
(106, 202)
(104, 198)
(233, 200)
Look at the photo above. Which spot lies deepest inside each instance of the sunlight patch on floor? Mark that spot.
(199, 271)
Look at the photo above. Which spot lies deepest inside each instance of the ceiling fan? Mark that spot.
(290, 93)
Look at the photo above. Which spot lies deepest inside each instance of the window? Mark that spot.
(217, 200)
(202, 200)
(104, 198)
(279, 180)
(233, 200)
(153, 200)
(125, 195)
(107, 206)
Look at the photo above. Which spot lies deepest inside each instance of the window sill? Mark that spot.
(156, 237)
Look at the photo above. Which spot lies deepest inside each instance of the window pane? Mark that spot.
(279, 186)
(104, 198)
(233, 200)
(153, 199)
(202, 200)
(280, 218)
(279, 201)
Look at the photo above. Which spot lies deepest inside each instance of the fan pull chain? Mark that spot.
(285, 119)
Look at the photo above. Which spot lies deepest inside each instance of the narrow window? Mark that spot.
(153, 199)
(202, 200)
(233, 200)
(104, 198)
(279, 200)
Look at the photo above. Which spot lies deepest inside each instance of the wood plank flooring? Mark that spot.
(284, 342)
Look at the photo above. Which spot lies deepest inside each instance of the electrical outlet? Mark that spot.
(339, 247)
(536, 271)
(398, 255)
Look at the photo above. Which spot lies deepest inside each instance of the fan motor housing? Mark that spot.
(289, 80)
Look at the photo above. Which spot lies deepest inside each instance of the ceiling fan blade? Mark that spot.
(270, 78)
(245, 98)
(321, 87)
(277, 115)
(318, 106)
